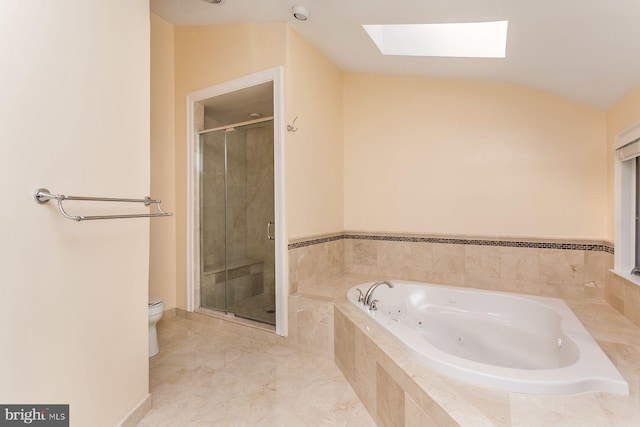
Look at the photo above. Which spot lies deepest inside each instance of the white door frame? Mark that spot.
(281, 250)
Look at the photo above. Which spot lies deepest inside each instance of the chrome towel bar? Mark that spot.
(43, 195)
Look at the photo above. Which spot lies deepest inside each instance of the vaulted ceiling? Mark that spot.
(584, 50)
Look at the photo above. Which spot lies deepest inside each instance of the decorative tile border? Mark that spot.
(317, 241)
(457, 241)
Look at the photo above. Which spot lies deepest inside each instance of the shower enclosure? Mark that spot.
(237, 253)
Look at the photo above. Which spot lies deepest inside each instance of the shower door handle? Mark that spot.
(269, 236)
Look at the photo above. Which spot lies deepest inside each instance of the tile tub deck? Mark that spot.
(398, 391)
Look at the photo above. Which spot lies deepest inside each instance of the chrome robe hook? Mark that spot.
(291, 127)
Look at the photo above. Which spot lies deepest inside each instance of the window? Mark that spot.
(627, 199)
(466, 40)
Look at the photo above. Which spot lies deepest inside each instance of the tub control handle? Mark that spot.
(374, 305)
(360, 296)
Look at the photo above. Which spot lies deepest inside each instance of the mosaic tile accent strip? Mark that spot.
(316, 241)
(454, 241)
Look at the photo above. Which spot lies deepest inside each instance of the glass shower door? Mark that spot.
(250, 217)
(237, 234)
(213, 221)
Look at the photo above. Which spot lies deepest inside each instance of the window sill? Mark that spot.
(627, 276)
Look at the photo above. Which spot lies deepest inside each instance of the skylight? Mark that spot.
(470, 40)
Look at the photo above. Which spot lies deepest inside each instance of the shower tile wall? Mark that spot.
(244, 281)
(260, 200)
(211, 123)
(213, 202)
(236, 195)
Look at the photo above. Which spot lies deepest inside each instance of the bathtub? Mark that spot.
(510, 342)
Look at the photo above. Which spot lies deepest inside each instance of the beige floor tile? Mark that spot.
(210, 377)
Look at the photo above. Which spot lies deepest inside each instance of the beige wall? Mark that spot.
(162, 265)
(387, 153)
(204, 57)
(623, 114)
(314, 154)
(463, 157)
(313, 91)
(74, 115)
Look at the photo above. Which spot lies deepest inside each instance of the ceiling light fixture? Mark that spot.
(300, 13)
(467, 40)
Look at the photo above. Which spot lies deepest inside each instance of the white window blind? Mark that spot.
(629, 151)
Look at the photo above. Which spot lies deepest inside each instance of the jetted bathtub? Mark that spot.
(510, 342)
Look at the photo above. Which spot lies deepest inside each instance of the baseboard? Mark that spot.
(137, 414)
(169, 313)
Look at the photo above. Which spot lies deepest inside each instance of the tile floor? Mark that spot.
(208, 377)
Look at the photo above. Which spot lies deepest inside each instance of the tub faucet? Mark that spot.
(368, 297)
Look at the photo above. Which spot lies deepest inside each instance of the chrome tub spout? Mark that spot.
(368, 297)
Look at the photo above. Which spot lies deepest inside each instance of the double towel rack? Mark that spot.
(43, 196)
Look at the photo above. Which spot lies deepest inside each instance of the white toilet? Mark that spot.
(156, 307)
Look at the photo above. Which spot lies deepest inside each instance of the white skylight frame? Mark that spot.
(468, 40)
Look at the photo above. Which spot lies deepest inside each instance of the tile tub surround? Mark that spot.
(624, 296)
(311, 324)
(317, 262)
(387, 376)
(205, 376)
(545, 267)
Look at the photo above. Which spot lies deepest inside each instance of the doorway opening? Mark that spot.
(237, 244)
